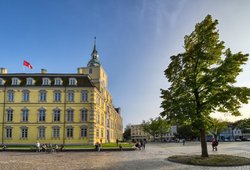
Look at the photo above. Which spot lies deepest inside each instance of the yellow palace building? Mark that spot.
(69, 109)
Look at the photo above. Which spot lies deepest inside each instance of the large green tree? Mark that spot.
(151, 127)
(127, 132)
(244, 125)
(202, 80)
(164, 127)
(217, 127)
(186, 132)
(157, 126)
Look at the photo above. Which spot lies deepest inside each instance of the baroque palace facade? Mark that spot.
(68, 109)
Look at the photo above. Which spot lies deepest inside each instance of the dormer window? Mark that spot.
(46, 81)
(2, 81)
(72, 81)
(15, 81)
(30, 81)
(58, 81)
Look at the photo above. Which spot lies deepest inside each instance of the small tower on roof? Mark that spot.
(95, 71)
(94, 61)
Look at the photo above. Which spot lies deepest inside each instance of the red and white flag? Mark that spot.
(27, 64)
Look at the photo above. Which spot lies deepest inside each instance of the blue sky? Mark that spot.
(135, 39)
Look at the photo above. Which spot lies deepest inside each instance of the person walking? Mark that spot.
(183, 142)
(214, 144)
(117, 142)
(143, 144)
(37, 146)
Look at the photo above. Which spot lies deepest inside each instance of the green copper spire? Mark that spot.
(94, 56)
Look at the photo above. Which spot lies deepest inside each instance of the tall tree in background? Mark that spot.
(157, 126)
(151, 127)
(217, 127)
(127, 132)
(186, 132)
(164, 127)
(244, 125)
(202, 80)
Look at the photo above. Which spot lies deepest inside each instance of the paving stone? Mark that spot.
(152, 158)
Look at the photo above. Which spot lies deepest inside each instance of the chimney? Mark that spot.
(43, 71)
(3, 71)
(80, 70)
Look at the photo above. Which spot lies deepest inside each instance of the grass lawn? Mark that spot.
(79, 147)
(104, 145)
(113, 145)
(212, 160)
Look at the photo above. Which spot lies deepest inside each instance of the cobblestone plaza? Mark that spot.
(154, 157)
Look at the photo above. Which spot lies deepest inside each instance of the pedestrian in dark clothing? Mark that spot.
(120, 146)
(214, 144)
(97, 146)
(138, 145)
(62, 147)
(143, 143)
(117, 141)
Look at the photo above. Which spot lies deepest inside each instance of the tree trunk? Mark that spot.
(204, 152)
(215, 137)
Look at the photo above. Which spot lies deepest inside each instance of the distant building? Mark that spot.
(58, 108)
(137, 133)
(237, 134)
(230, 134)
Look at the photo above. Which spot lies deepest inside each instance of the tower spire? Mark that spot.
(94, 56)
(94, 52)
(95, 43)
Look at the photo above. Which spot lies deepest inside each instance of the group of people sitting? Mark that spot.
(140, 144)
(98, 146)
(48, 147)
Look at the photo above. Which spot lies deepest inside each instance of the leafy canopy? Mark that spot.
(202, 79)
(157, 126)
(217, 127)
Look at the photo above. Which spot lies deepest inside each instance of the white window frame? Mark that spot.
(70, 115)
(69, 132)
(46, 81)
(58, 82)
(72, 81)
(70, 96)
(56, 112)
(8, 132)
(29, 81)
(9, 115)
(84, 95)
(26, 95)
(25, 115)
(11, 95)
(57, 96)
(41, 114)
(42, 95)
(84, 131)
(84, 115)
(41, 132)
(15, 81)
(24, 132)
(56, 132)
(2, 82)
